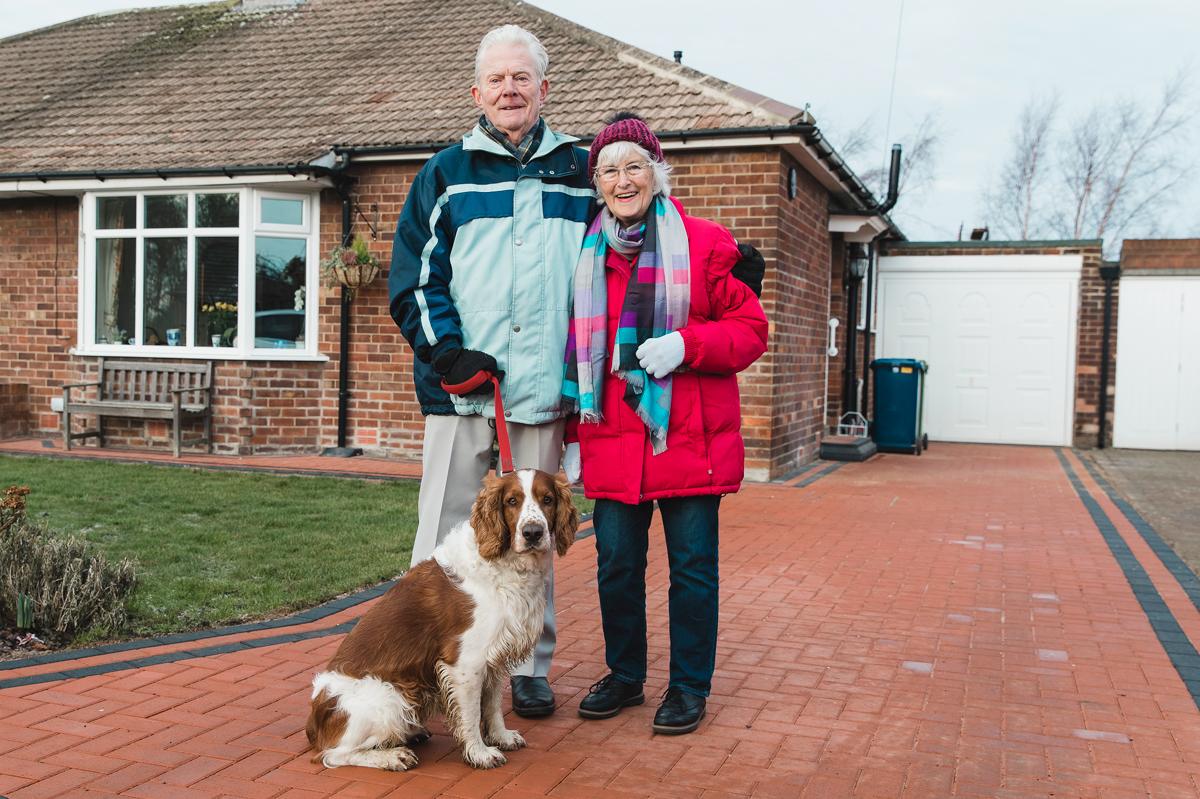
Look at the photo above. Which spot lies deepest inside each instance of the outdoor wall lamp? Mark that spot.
(857, 261)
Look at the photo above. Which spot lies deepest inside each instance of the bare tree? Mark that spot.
(918, 162)
(857, 141)
(1012, 204)
(1107, 176)
(1120, 167)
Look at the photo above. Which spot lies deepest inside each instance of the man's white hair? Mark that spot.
(513, 34)
(619, 151)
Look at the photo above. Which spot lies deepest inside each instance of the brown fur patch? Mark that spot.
(416, 624)
(494, 514)
(325, 724)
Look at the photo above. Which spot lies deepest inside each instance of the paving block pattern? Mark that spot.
(953, 625)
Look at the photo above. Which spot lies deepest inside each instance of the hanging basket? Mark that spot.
(355, 276)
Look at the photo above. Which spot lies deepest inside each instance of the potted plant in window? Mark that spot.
(353, 267)
(222, 321)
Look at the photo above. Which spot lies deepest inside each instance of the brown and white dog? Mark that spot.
(444, 638)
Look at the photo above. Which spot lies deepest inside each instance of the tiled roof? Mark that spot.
(214, 85)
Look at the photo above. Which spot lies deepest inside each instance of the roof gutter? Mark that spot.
(167, 172)
(76, 182)
(681, 135)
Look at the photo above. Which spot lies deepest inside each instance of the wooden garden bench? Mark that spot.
(144, 390)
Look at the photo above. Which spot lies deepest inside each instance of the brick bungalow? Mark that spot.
(177, 174)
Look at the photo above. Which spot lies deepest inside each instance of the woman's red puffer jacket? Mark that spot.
(725, 333)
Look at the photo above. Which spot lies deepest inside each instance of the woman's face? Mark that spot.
(626, 188)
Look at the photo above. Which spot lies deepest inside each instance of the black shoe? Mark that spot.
(679, 713)
(531, 696)
(607, 697)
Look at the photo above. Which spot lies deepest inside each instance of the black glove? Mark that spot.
(467, 372)
(750, 268)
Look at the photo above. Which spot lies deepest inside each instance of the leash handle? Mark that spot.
(506, 461)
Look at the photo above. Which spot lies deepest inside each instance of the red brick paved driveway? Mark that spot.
(978, 621)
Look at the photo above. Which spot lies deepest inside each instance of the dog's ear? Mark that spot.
(566, 517)
(487, 519)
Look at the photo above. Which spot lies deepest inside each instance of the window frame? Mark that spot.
(248, 229)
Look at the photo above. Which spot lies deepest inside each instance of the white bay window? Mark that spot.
(200, 273)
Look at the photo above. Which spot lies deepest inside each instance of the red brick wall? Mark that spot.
(14, 410)
(799, 307)
(737, 189)
(292, 407)
(783, 393)
(1160, 254)
(383, 416)
(1090, 324)
(1088, 352)
(38, 266)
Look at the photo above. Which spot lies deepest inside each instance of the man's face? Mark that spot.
(509, 92)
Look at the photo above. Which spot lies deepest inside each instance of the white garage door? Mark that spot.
(1158, 363)
(998, 332)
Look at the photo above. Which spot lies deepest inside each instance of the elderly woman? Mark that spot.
(659, 330)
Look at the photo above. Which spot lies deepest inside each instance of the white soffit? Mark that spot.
(857, 229)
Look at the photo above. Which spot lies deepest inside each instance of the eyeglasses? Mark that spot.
(634, 171)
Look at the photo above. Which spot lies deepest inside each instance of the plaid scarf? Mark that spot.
(529, 144)
(656, 303)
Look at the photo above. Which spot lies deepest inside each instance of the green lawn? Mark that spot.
(213, 548)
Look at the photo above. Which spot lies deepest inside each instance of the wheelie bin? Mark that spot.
(899, 405)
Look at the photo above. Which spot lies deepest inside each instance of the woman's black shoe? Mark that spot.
(607, 697)
(679, 712)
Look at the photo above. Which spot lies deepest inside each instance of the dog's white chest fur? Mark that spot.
(509, 597)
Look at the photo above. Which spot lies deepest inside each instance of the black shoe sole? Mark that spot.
(608, 714)
(533, 711)
(661, 730)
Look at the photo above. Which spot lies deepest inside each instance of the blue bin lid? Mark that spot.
(888, 363)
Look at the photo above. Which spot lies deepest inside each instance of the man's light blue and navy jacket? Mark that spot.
(484, 258)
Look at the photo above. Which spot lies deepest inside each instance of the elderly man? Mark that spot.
(480, 285)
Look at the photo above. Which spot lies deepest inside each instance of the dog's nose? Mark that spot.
(533, 533)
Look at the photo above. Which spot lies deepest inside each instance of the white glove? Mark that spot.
(661, 356)
(572, 463)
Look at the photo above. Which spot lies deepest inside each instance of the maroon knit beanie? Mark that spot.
(625, 126)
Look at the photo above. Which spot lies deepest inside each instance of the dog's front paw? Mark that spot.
(483, 756)
(399, 759)
(506, 740)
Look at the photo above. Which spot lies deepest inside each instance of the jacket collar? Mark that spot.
(479, 141)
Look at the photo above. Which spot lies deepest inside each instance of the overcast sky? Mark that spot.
(974, 63)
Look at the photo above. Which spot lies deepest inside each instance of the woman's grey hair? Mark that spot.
(619, 151)
(513, 34)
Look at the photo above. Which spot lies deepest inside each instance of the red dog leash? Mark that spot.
(506, 461)
(473, 382)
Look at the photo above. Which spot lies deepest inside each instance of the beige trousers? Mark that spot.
(454, 460)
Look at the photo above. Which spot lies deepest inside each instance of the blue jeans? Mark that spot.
(690, 524)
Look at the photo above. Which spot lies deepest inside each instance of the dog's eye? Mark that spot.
(547, 500)
(511, 500)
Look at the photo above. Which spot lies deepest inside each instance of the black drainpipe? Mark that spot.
(1109, 274)
(849, 378)
(893, 194)
(341, 450)
(872, 254)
